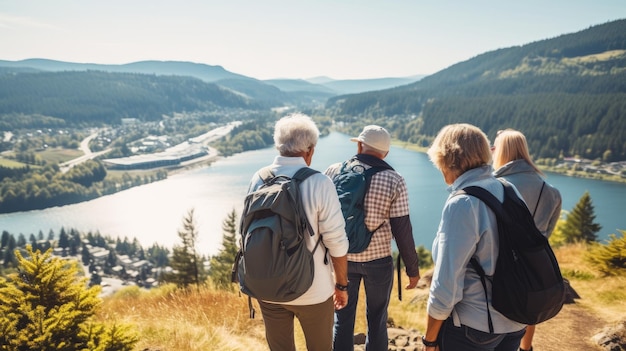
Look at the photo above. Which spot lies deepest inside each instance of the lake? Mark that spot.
(153, 213)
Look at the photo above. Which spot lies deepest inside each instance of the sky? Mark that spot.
(297, 39)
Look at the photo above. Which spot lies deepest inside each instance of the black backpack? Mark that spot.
(273, 262)
(352, 183)
(527, 286)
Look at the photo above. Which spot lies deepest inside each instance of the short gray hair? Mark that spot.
(294, 134)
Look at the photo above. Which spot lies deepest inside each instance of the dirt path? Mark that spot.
(570, 330)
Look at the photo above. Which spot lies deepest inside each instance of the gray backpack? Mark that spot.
(273, 262)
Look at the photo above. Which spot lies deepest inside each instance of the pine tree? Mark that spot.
(85, 255)
(9, 253)
(579, 224)
(75, 242)
(222, 263)
(185, 260)
(4, 239)
(47, 306)
(64, 240)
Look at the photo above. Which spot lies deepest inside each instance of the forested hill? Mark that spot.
(95, 97)
(567, 94)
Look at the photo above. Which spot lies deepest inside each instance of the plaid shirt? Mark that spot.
(386, 198)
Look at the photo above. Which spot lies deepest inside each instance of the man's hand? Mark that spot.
(340, 298)
(412, 282)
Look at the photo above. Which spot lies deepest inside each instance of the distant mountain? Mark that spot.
(256, 90)
(295, 85)
(320, 80)
(333, 87)
(214, 74)
(352, 86)
(97, 97)
(205, 72)
(567, 94)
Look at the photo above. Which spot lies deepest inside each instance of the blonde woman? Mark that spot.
(457, 312)
(512, 161)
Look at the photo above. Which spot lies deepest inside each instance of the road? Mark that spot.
(87, 154)
(205, 139)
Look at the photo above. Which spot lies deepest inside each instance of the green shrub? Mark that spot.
(47, 306)
(577, 274)
(609, 258)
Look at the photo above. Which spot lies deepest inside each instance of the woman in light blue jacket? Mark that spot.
(511, 161)
(457, 313)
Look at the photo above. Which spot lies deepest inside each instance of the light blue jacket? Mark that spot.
(467, 228)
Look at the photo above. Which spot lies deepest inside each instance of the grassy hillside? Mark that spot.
(207, 319)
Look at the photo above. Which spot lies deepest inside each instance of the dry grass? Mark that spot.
(604, 297)
(169, 319)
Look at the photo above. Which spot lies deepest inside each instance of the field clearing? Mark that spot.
(5, 162)
(59, 155)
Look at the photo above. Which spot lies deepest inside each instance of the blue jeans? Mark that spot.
(377, 279)
(464, 338)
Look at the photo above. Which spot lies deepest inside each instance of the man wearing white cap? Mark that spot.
(386, 208)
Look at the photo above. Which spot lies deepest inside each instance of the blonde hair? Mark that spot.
(294, 134)
(460, 147)
(511, 145)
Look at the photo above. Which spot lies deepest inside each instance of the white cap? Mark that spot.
(375, 136)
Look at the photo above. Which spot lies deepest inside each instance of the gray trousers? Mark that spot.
(316, 321)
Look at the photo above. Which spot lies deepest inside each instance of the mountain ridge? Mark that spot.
(567, 94)
(212, 74)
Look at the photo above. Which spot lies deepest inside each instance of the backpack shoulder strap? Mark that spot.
(543, 185)
(300, 175)
(266, 174)
(303, 173)
(373, 161)
(496, 206)
(376, 165)
(483, 280)
(486, 197)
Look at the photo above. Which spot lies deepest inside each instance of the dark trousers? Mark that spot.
(464, 338)
(377, 277)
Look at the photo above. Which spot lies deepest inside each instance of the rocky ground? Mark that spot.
(572, 329)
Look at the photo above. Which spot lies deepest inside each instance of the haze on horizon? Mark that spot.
(284, 39)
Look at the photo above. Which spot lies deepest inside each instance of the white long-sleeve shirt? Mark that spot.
(321, 204)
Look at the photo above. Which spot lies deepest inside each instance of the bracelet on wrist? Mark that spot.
(341, 287)
(429, 343)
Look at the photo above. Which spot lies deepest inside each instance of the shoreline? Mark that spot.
(215, 155)
(568, 173)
